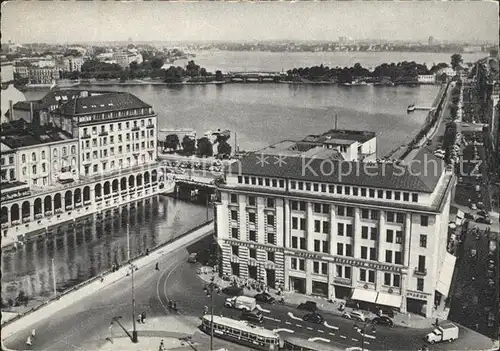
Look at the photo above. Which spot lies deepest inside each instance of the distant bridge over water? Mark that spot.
(255, 76)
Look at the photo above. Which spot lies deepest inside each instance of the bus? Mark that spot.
(242, 332)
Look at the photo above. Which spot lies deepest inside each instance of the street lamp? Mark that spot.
(133, 268)
(365, 323)
(209, 289)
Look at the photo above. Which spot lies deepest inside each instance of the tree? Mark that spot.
(192, 69)
(188, 145)
(456, 60)
(205, 148)
(157, 62)
(172, 141)
(453, 111)
(224, 149)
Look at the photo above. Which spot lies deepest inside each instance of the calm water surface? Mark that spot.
(266, 113)
(87, 249)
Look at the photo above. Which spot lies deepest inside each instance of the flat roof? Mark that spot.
(413, 176)
(20, 133)
(115, 101)
(360, 136)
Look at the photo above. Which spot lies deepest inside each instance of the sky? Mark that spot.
(87, 21)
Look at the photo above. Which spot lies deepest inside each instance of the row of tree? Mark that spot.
(397, 72)
(202, 147)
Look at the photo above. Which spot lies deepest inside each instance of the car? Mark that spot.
(313, 318)
(233, 291)
(192, 257)
(473, 206)
(252, 316)
(484, 220)
(356, 315)
(470, 216)
(383, 320)
(308, 306)
(264, 298)
(483, 213)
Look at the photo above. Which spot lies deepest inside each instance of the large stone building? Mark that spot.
(72, 64)
(372, 232)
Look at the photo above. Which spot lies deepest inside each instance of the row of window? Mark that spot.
(272, 182)
(342, 211)
(354, 191)
(235, 250)
(104, 152)
(103, 141)
(42, 154)
(253, 237)
(113, 165)
(4, 160)
(111, 127)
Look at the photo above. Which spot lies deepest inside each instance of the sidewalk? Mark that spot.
(408, 320)
(51, 307)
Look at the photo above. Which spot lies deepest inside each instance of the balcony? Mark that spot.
(135, 129)
(149, 126)
(86, 136)
(420, 271)
(26, 219)
(103, 134)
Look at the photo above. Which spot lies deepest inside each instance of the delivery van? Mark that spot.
(444, 332)
(243, 303)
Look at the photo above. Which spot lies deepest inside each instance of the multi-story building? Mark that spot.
(8, 163)
(21, 69)
(43, 155)
(124, 59)
(72, 64)
(42, 75)
(426, 78)
(374, 232)
(7, 72)
(115, 131)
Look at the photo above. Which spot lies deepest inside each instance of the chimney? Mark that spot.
(11, 110)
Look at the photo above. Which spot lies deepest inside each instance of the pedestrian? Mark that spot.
(357, 306)
(157, 267)
(102, 278)
(380, 313)
(33, 333)
(147, 252)
(28, 341)
(139, 318)
(162, 346)
(143, 317)
(437, 322)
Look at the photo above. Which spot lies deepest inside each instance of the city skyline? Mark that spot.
(28, 22)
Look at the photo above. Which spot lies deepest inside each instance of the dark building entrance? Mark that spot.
(271, 277)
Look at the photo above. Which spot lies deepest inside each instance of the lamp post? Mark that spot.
(210, 288)
(132, 270)
(365, 323)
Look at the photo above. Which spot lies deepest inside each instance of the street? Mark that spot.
(87, 322)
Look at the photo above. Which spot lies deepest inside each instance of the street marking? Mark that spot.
(330, 326)
(368, 336)
(354, 339)
(288, 323)
(272, 319)
(318, 339)
(283, 330)
(343, 337)
(298, 325)
(262, 309)
(290, 314)
(309, 328)
(321, 331)
(332, 334)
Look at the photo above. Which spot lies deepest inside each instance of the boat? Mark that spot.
(410, 108)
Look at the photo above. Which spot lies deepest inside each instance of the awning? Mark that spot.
(447, 268)
(364, 295)
(392, 300)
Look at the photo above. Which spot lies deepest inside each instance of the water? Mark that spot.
(266, 113)
(87, 250)
(238, 61)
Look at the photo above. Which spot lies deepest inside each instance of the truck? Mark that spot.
(243, 303)
(444, 332)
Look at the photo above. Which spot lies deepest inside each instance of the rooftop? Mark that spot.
(291, 148)
(114, 101)
(19, 133)
(56, 97)
(421, 175)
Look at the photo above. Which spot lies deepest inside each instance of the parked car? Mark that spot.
(314, 318)
(485, 220)
(232, 291)
(383, 320)
(355, 315)
(483, 213)
(308, 306)
(252, 316)
(470, 216)
(264, 298)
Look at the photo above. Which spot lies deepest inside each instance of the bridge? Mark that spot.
(255, 76)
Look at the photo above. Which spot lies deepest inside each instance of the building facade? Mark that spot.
(377, 238)
(115, 131)
(42, 75)
(7, 72)
(426, 79)
(72, 64)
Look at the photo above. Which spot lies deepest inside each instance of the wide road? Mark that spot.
(76, 327)
(185, 287)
